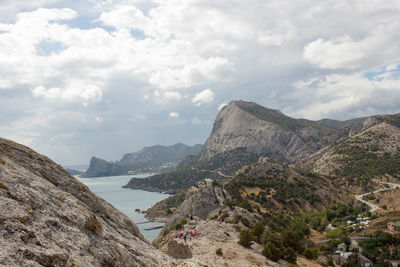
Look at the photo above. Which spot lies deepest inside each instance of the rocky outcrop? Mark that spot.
(49, 218)
(178, 250)
(201, 200)
(213, 235)
(263, 131)
(99, 168)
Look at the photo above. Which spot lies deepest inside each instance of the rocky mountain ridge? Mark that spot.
(48, 218)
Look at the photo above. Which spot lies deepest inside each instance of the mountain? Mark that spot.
(371, 153)
(100, 167)
(242, 133)
(49, 218)
(268, 132)
(149, 159)
(157, 156)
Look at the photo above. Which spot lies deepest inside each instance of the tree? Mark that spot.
(245, 238)
(271, 251)
(257, 231)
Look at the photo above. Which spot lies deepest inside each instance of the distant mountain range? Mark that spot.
(149, 159)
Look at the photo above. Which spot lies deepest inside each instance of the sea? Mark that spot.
(127, 200)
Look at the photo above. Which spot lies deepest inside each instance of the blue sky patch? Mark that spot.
(47, 47)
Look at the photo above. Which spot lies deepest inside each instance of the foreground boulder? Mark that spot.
(48, 218)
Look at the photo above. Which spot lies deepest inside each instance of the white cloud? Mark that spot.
(222, 105)
(204, 97)
(174, 114)
(76, 91)
(346, 52)
(99, 119)
(340, 93)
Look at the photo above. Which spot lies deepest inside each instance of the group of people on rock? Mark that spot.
(187, 234)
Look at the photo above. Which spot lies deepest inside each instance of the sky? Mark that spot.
(108, 77)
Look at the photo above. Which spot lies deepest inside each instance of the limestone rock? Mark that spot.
(179, 250)
(49, 218)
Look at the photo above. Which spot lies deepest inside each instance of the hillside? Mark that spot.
(242, 133)
(192, 170)
(48, 218)
(373, 153)
(268, 187)
(149, 159)
(157, 156)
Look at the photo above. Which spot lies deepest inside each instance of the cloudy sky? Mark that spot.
(107, 77)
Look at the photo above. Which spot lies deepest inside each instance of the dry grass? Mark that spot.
(3, 186)
(3, 161)
(93, 225)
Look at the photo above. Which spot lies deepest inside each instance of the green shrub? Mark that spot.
(180, 224)
(257, 231)
(311, 254)
(219, 251)
(245, 238)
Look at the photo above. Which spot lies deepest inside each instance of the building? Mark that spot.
(394, 227)
(343, 256)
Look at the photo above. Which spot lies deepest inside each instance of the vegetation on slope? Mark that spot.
(268, 186)
(361, 164)
(192, 170)
(280, 119)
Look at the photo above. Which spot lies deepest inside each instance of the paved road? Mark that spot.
(374, 207)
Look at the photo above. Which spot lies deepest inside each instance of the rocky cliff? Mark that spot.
(267, 132)
(99, 167)
(48, 218)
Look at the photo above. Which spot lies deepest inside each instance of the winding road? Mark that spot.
(374, 207)
(217, 172)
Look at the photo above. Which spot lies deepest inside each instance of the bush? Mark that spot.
(180, 224)
(257, 231)
(92, 224)
(219, 251)
(311, 254)
(245, 238)
(271, 251)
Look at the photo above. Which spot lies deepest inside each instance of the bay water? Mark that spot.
(127, 200)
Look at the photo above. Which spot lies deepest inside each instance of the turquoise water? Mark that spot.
(126, 200)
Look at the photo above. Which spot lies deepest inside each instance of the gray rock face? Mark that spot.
(48, 218)
(99, 167)
(201, 200)
(179, 250)
(237, 127)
